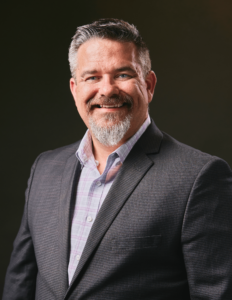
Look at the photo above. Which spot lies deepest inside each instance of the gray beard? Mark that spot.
(110, 135)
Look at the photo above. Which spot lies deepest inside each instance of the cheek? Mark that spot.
(80, 104)
(82, 97)
(80, 109)
(132, 89)
(138, 92)
(85, 92)
(140, 101)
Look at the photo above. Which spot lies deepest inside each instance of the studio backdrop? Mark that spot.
(190, 44)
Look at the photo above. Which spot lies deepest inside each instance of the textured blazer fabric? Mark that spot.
(164, 230)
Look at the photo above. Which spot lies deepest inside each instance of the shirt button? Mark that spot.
(89, 219)
(99, 183)
(78, 257)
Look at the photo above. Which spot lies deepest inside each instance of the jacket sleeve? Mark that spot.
(21, 274)
(207, 233)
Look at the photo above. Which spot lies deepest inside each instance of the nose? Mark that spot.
(108, 87)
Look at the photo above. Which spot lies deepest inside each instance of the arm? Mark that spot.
(22, 271)
(207, 233)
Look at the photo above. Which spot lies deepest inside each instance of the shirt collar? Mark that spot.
(85, 154)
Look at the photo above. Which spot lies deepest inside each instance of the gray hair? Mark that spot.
(113, 29)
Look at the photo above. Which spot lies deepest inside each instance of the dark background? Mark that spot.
(190, 44)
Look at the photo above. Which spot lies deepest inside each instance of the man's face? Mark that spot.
(110, 85)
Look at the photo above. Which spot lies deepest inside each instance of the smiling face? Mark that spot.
(110, 87)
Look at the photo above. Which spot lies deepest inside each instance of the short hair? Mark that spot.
(112, 29)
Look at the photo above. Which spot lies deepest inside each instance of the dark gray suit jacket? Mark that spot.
(164, 230)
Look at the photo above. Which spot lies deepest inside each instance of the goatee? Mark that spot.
(111, 135)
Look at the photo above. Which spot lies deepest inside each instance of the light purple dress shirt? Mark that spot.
(92, 190)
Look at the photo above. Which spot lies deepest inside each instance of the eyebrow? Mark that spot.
(126, 69)
(88, 72)
(122, 69)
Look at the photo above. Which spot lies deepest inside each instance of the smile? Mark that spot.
(111, 106)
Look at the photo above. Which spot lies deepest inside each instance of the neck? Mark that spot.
(101, 152)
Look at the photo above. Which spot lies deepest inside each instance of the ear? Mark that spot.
(150, 82)
(73, 88)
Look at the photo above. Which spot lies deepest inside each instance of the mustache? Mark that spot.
(115, 99)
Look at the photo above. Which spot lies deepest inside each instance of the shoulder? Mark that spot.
(171, 147)
(49, 167)
(175, 158)
(188, 158)
(57, 156)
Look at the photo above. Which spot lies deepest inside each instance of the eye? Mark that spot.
(92, 78)
(124, 76)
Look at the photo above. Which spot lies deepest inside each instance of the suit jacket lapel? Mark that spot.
(67, 200)
(134, 168)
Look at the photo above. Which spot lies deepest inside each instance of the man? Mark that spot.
(128, 212)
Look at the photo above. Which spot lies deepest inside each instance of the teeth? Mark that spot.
(111, 106)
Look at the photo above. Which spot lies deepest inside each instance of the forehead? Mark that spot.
(105, 52)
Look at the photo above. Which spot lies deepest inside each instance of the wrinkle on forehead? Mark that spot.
(103, 52)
